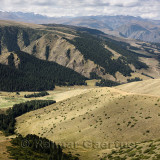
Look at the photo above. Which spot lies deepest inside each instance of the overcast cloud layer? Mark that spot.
(143, 8)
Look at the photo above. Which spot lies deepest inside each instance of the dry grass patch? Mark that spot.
(98, 115)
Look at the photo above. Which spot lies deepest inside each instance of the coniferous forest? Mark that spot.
(8, 120)
(107, 83)
(93, 48)
(36, 75)
(127, 55)
(33, 147)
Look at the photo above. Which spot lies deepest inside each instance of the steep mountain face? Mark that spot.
(138, 31)
(46, 45)
(125, 26)
(55, 48)
(89, 52)
(133, 30)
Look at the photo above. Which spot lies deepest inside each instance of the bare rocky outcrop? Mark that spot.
(4, 58)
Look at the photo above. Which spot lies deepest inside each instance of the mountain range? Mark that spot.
(123, 26)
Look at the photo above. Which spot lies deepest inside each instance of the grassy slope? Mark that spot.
(99, 115)
(8, 99)
(151, 87)
(145, 150)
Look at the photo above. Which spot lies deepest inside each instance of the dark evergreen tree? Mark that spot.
(11, 60)
(107, 83)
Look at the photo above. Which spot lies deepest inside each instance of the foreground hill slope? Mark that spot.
(99, 115)
(144, 150)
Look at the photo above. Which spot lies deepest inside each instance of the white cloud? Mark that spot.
(143, 8)
(124, 3)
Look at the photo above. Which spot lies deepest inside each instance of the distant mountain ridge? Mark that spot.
(20, 16)
(122, 26)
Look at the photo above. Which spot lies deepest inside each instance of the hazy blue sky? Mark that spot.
(143, 8)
